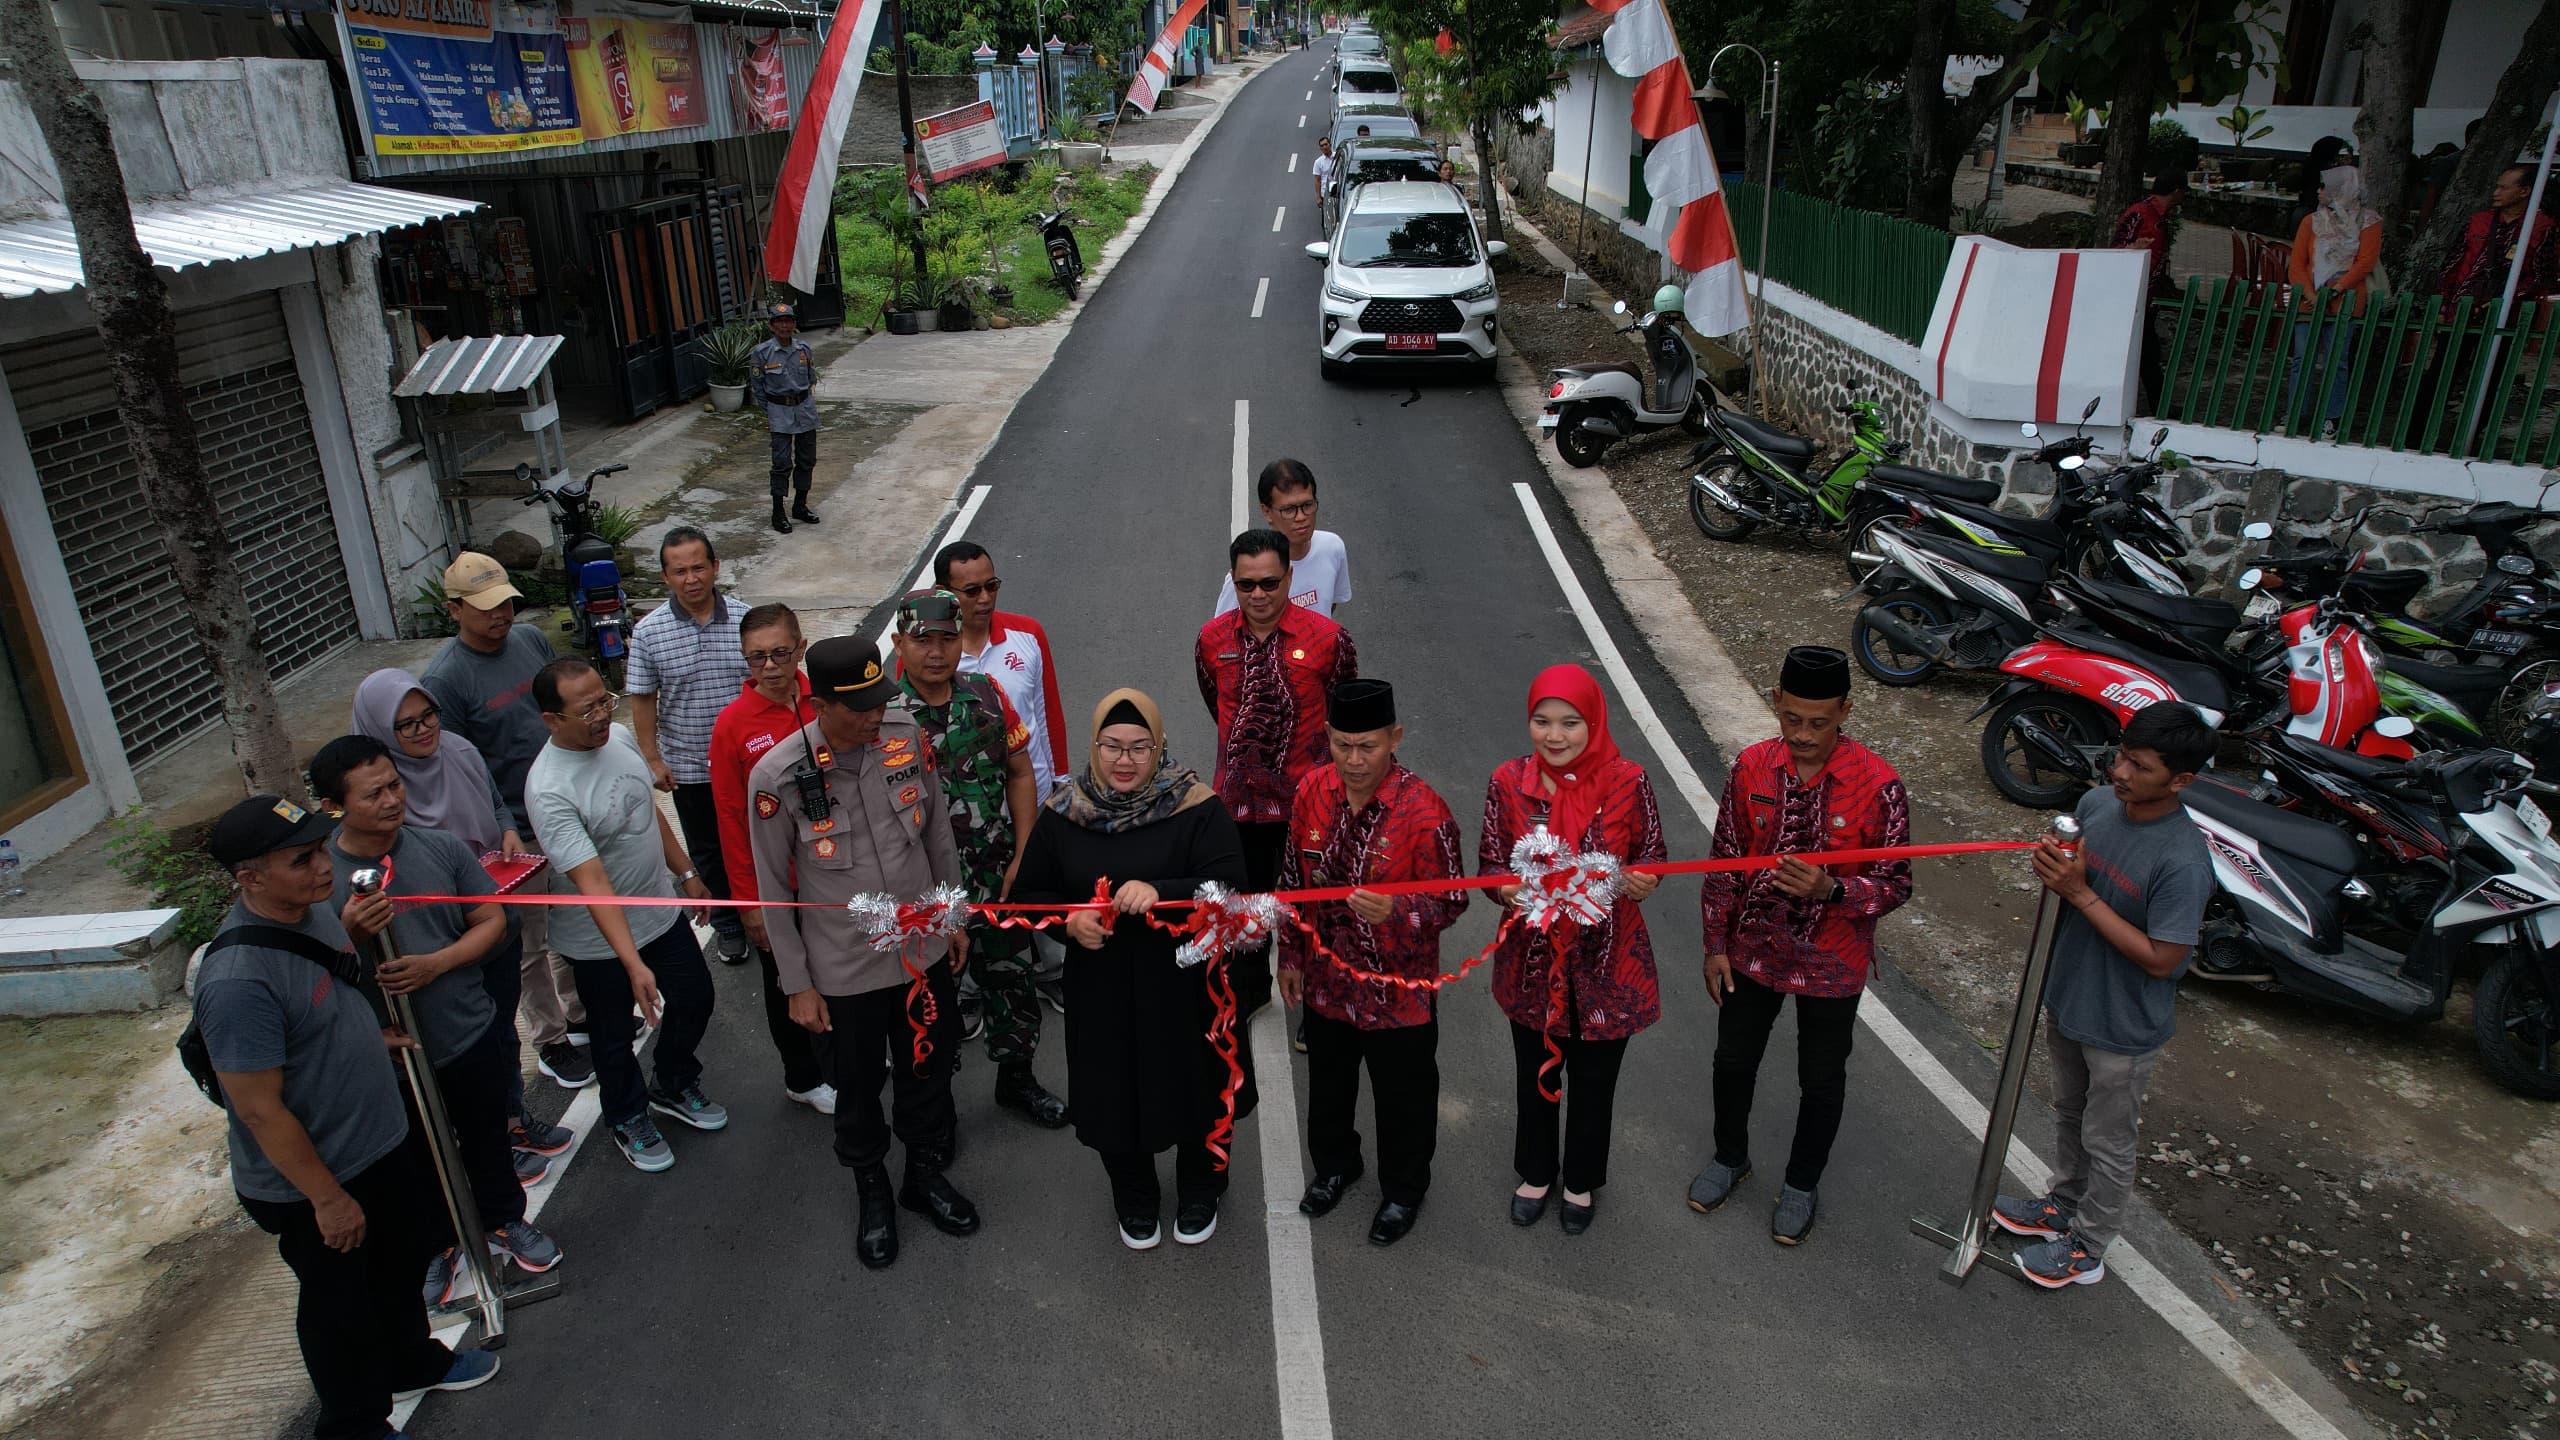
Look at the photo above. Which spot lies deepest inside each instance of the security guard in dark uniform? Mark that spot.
(784, 372)
(852, 805)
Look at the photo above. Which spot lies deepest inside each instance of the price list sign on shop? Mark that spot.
(957, 142)
(440, 79)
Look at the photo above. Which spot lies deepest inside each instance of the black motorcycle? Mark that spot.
(1066, 257)
(599, 610)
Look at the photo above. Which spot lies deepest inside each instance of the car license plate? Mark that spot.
(2534, 819)
(1413, 342)
(1547, 420)
(2499, 642)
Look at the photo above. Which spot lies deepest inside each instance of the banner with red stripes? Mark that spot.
(803, 196)
(1156, 71)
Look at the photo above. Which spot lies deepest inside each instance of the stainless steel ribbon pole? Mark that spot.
(1964, 1239)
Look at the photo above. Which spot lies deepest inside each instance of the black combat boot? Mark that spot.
(1018, 1089)
(800, 510)
(781, 522)
(876, 1244)
(929, 1194)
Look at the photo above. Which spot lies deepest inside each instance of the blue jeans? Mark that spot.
(2337, 349)
(684, 989)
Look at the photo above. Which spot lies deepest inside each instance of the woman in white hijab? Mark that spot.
(2338, 249)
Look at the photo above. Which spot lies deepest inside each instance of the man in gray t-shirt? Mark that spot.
(317, 1125)
(2136, 886)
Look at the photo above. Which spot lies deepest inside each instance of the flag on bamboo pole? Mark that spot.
(1688, 218)
(1156, 70)
(803, 195)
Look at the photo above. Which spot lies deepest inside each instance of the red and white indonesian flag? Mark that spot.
(804, 195)
(1157, 69)
(1688, 219)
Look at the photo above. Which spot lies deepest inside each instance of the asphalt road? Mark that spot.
(722, 1298)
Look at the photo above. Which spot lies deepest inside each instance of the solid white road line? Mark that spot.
(1293, 162)
(1684, 777)
(1277, 216)
(1261, 292)
(1297, 1332)
(924, 571)
(2156, 1290)
(1243, 484)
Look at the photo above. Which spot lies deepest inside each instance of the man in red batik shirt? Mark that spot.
(1799, 929)
(1367, 820)
(1265, 669)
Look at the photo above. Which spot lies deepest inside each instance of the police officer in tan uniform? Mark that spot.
(852, 805)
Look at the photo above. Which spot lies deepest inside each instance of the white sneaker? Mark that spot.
(820, 1097)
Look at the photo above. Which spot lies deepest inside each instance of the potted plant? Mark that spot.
(913, 301)
(726, 352)
(2172, 151)
(2243, 124)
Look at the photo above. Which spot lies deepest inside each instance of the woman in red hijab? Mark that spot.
(1574, 996)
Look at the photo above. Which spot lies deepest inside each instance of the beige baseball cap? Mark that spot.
(479, 582)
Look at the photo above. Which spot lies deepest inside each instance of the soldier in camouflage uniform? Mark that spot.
(984, 750)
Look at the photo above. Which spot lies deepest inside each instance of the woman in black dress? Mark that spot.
(1140, 1061)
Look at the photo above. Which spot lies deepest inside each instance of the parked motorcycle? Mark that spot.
(1066, 257)
(599, 611)
(1591, 407)
(2303, 909)
(2102, 523)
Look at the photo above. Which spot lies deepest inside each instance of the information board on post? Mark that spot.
(960, 142)
(436, 77)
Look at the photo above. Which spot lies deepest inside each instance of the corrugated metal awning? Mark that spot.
(478, 365)
(42, 257)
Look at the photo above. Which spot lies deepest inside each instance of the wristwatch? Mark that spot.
(1839, 892)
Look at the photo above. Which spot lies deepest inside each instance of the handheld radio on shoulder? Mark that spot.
(809, 779)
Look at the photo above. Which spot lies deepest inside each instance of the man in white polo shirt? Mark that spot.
(1319, 568)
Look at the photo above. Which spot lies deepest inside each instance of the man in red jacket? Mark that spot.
(1798, 929)
(1265, 669)
(773, 705)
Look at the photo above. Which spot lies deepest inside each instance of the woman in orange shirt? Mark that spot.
(2336, 249)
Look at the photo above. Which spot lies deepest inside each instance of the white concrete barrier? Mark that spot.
(2035, 334)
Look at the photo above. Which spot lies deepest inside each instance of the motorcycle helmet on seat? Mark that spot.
(1669, 300)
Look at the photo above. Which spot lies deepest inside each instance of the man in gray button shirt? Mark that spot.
(784, 373)
(444, 952)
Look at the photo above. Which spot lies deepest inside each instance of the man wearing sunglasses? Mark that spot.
(1011, 650)
(1266, 669)
(1319, 566)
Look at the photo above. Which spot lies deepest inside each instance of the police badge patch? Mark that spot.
(768, 804)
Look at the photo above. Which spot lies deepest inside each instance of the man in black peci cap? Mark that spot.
(783, 372)
(318, 1133)
(1799, 929)
(1366, 820)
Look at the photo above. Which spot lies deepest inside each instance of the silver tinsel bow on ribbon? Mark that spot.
(1222, 921)
(1558, 887)
(893, 924)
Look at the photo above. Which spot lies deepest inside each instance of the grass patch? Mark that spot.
(998, 212)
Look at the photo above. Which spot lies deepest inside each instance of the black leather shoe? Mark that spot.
(781, 522)
(1575, 1218)
(1394, 1222)
(1525, 1211)
(929, 1194)
(1324, 1192)
(1019, 1090)
(801, 512)
(876, 1238)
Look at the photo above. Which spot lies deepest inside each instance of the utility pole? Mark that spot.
(907, 131)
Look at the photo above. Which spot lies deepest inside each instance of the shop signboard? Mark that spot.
(631, 74)
(958, 142)
(436, 77)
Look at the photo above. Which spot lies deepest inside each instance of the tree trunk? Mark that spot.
(1489, 192)
(2383, 138)
(2514, 110)
(1928, 196)
(2137, 94)
(134, 321)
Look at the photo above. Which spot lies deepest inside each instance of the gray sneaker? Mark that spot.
(1791, 1219)
(443, 1276)
(2068, 1260)
(519, 1241)
(732, 945)
(2042, 1218)
(1715, 1185)
(641, 1144)
(691, 1106)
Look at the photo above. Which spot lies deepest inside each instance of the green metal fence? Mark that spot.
(1883, 270)
(2412, 373)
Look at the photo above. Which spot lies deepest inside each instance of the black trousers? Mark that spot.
(803, 1058)
(474, 1086)
(362, 1326)
(1404, 1092)
(870, 1033)
(503, 973)
(1590, 1078)
(795, 459)
(684, 990)
(1136, 1189)
(1251, 970)
(698, 816)
(1825, 1028)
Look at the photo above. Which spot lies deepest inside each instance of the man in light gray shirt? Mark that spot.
(596, 813)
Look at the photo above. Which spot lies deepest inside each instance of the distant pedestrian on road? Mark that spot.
(685, 668)
(1319, 566)
(1141, 1065)
(983, 750)
(2137, 889)
(455, 963)
(1323, 171)
(1367, 820)
(1801, 930)
(321, 1154)
(481, 681)
(785, 372)
(597, 812)
(1265, 669)
(1588, 991)
(852, 805)
(771, 708)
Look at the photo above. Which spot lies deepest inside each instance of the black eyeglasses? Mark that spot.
(418, 724)
(1263, 586)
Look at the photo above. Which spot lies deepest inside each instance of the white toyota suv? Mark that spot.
(1406, 279)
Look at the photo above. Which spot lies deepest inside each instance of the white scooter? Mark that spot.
(1590, 407)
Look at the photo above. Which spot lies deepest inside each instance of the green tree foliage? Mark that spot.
(2143, 55)
(1499, 65)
